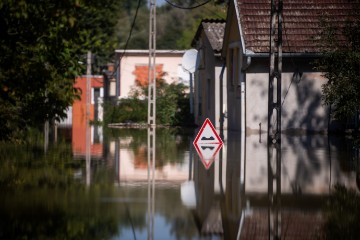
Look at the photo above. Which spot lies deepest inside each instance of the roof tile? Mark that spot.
(301, 22)
(214, 30)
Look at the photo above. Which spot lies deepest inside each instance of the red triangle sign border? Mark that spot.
(207, 162)
(208, 122)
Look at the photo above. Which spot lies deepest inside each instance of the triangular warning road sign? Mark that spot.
(207, 143)
(207, 134)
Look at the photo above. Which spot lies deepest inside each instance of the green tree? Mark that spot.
(341, 65)
(41, 45)
(172, 106)
(176, 27)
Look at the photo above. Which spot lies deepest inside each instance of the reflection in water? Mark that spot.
(151, 179)
(44, 195)
(278, 199)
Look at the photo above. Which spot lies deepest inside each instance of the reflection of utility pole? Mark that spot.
(88, 133)
(274, 120)
(46, 135)
(151, 119)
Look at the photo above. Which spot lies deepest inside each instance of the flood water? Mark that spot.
(58, 194)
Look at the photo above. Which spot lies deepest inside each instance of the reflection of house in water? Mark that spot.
(238, 199)
(79, 117)
(131, 164)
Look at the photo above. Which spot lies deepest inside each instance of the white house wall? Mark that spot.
(170, 61)
(302, 108)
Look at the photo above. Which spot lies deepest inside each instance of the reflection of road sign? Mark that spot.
(207, 143)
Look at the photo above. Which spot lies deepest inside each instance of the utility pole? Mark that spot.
(151, 119)
(152, 66)
(88, 133)
(274, 120)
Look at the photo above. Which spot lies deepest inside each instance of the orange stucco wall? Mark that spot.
(79, 117)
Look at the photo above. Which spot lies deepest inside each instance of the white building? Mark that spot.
(133, 64)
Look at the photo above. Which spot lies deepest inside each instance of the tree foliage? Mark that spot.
(176, 27)
(41, 45)
(341, 65)
(43, 41)
(172, 106)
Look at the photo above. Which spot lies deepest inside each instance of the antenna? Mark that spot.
(189, 60)
(189, 64)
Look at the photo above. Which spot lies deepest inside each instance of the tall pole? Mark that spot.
(88, 133)
(274, 120)
(152, 66)
(151, 119)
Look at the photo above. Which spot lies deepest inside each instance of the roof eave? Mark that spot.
(266, 54)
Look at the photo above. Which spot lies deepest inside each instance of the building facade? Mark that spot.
(246, 50)
(210, 81)
(131, 68)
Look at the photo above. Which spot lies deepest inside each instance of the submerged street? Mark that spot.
(118, 195)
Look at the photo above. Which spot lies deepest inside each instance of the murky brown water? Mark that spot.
(238, 195)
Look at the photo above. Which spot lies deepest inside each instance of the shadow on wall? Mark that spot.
(302, 108)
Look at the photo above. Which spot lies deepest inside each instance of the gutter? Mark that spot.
(249, 53)
(242, 39)
(222, 114)
(146, 51)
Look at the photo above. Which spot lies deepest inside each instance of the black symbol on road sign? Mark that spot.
(207, 143)
(205, 147)
(208, 139)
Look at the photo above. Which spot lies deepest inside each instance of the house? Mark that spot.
(79, 117)
(210, 82)
(246, 50)
(133, 69)
(249, 169)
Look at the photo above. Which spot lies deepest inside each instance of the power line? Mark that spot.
(187, 8)
(129, 36)
(132, 26)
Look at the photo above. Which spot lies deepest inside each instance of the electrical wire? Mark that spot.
(187, 8)
(128, 39)
(132, 26)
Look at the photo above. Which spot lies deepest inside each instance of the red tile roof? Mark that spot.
(301, 22)
(295, 225)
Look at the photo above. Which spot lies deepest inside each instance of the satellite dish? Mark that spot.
(189, 60)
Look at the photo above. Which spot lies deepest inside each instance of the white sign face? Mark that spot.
(207, 143)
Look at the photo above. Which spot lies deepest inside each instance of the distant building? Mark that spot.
(79, 116)
(131, 67)
(210, 95)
